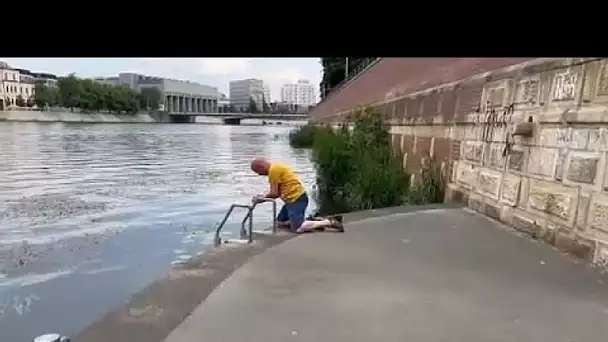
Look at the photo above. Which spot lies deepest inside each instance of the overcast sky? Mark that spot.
(215, 72)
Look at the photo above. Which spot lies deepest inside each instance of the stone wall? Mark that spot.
(552, 184)
(54, 116)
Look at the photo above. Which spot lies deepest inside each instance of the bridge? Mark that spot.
(234, 118)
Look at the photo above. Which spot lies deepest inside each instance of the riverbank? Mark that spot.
(456, 269)
(37, 116)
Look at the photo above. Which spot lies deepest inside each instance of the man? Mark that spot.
(285, 184)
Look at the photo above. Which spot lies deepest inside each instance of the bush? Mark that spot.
(303, 136)
(357, 169)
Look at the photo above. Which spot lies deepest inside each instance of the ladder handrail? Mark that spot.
(249, 215)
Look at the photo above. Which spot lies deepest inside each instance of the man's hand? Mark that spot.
(258, 198)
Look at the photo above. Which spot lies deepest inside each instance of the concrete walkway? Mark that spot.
(435, 275)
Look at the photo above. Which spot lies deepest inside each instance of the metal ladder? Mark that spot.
(246, 234)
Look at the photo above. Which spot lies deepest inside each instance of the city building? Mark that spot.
(18, 84)
(267, 94)
(223, 104)
(177, 96)
(45, 79)
(301, 93)
(241, 91)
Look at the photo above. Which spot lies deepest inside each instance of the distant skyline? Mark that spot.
(217, 72)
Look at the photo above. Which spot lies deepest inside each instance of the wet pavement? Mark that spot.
(90, 214)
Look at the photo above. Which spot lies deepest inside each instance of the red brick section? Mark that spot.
(406, 75)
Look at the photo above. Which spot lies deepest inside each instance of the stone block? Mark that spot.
(549, 234)
(598, 140)
(492, 211)
(473, 132)
(574, 138)
(466, 174)
(510, 190)
(542, 161)
(582, 211)
(527, 92)
(560, 164)
(598, 216)
(516, 160)
(476, 204)
(575, 245)
(526, 225)
(565, 84)
(494, 157)
(473, 150)
(455, 195)
(583, 168)
(489, 182)
(551, 199)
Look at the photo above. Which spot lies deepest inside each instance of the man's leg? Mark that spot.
(299, 224)
(283, 218)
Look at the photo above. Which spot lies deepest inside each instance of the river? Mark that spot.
(92, 213)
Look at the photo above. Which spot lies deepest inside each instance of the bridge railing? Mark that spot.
(352, 74)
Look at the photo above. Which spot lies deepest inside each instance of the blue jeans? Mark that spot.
(294, 212)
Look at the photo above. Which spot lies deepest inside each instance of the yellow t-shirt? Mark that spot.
(289, 185)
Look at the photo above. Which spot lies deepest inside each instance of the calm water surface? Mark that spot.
(90, 214)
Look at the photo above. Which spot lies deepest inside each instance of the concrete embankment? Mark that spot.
(153, 313)
(431, 275)
(407, 273)
(36, 116)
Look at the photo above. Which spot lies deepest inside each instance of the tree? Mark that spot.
(149, 98)
(70, 91)
(44, 95)
(253, 107)
(20, 101)
(30, 102)
(89, 95)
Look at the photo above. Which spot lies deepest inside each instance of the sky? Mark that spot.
(217, 72)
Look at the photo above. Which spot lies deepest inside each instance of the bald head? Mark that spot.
(260, 166)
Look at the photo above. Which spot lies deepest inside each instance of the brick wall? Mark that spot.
(403, 76)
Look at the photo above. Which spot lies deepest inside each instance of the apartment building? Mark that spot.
(267, 94)
(301, 93)
(18, 83)
(241, 91)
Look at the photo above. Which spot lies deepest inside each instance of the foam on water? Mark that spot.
(33, 279)
(104, 270)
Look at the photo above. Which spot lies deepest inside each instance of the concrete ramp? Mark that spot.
(435, 275)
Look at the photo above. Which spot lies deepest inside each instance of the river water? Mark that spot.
(92, 213)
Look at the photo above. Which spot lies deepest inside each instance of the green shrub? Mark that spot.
(303, 136)
(357, 169)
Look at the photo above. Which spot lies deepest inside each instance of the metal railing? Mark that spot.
(246, 233)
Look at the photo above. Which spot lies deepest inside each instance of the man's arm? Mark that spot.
(274, 179)
(274, 191)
